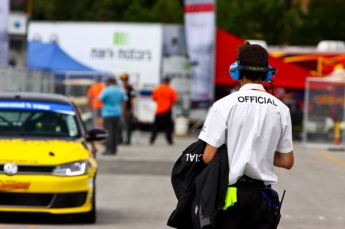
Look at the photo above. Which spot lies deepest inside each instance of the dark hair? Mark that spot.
(98, 79)
(166, 79)
(110, 79)
(252, 55)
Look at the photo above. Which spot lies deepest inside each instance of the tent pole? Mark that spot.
(68, 86)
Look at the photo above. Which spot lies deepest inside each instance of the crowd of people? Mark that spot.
(112, 106)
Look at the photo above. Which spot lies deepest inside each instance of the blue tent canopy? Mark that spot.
(50, 57)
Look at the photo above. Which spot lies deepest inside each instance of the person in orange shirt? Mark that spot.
(165, 96)
(94, 104)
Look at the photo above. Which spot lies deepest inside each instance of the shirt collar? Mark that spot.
(252, 86)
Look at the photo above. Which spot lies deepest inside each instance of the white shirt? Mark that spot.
(253, 124)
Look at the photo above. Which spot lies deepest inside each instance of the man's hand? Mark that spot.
(124, 109)
(132, 106)
(209, 153)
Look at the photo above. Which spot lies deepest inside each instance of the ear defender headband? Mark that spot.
(235, 71)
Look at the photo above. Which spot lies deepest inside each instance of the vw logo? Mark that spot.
(10, 168)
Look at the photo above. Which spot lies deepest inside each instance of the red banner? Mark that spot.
(197, 8)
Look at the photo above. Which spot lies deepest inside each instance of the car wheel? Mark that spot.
(91, 216)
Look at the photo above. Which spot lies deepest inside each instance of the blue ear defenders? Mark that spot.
(235, 71)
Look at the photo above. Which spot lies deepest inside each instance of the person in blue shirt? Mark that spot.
(113, 98)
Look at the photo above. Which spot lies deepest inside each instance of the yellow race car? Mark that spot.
(47, 158)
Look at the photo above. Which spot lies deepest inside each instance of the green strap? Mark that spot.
(231, 197)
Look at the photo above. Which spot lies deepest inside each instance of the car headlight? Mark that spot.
(71, 169)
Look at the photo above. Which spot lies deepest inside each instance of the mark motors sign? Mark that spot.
(108, 47)
(122, 39)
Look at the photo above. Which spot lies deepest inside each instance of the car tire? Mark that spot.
(89, 217)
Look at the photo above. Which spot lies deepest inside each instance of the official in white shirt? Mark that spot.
(256, 127)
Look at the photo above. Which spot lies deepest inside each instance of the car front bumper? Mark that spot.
(46, 194)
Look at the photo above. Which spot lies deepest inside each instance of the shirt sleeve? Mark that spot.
(102, 95)
(90, 92)
(285, 144)
(214, 129)
(132, 93)
(153, 95)
(175, 97)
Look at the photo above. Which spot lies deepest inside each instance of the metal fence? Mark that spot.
(324, 113)
(71, 84)
(12, 79)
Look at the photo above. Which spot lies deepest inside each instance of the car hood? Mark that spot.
(49, 152)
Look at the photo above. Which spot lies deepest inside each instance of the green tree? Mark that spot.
(322, 21)
(167, 11)
(268, 20)
(110, 10)
(80, 10)
(163, 11)
(136, 12)
(276, 21)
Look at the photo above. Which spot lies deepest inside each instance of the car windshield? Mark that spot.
(39, 120)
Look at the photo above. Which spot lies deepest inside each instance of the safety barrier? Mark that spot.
(324, 113)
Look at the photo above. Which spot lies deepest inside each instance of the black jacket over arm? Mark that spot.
(200, 189)
(183, 175)
(211, 187)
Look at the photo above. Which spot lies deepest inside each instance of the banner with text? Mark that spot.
(200, 36)
(4, 12)
(104, 47)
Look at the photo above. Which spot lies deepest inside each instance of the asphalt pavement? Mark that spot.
(134, 189)
(315, 186)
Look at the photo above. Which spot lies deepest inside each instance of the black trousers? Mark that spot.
(111, 125)
(165, 122)
(246, 213)
(128, 123)
(125, 125)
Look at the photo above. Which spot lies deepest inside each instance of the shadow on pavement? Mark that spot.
(35, 218)
(103, 217)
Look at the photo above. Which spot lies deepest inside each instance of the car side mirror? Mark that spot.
(96, 134)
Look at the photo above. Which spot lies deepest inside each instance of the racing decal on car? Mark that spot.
(14, 185)
(10, 168)
(18, 161)
(39, 106)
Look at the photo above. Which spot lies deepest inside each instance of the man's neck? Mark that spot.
(245, 81)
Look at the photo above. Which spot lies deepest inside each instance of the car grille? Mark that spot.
(69, 200)
(31, 169)
(25, 199)
(65, 200)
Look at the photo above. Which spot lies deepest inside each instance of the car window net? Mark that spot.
(37, 123)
